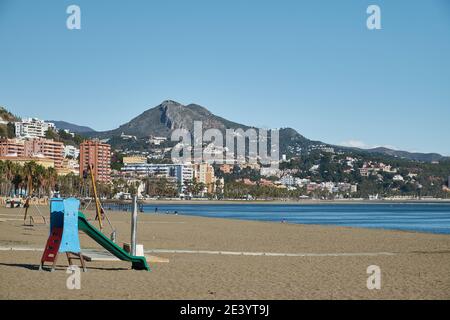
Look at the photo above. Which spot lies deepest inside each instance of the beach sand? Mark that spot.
(331, 262)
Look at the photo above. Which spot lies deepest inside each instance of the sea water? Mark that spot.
(423, 217)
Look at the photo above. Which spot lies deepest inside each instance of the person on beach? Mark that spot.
(27, 204)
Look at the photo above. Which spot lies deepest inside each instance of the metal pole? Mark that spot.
(134, 226)
(97, 200)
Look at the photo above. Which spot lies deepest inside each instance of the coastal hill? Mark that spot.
(416, 156)
(170, 115)
(7, 116)
(71, 127)
(7, 120)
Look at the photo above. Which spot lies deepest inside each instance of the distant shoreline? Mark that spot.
(268, 202)
(291, 202)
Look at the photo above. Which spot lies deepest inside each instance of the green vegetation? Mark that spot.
(7, 130)
(418, 179)
(238, 173)
(17, 180)
(65, 137)
(117, 160)
(5, 115)
(160, 187)
(239, 190)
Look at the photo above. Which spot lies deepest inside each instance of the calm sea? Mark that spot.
(434, 218)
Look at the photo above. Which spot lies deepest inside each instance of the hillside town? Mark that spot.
(321, 173)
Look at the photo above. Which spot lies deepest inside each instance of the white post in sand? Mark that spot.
(134, 226)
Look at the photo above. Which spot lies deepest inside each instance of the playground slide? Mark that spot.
(138, 263)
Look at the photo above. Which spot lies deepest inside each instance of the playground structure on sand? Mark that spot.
(65, 222)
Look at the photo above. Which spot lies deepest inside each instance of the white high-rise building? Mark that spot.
(32, 128)
(71, 151)
(179, 172)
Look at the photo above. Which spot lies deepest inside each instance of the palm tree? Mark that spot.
(29, 171)
(3, 180)
(17, 178)
(10, 172)
(40, 179)
(52, 178)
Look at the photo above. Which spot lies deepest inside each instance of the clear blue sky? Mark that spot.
(310, 65)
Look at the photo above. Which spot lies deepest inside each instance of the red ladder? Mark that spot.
(51, 248)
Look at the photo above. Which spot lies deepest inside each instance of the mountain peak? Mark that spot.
(166, 103)
(169, 115)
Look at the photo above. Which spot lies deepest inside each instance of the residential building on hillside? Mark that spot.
(269, 171)
(398, 177)
(134, 160)
(365, 172)
(71, 151)
(32, 128)
(287, 180)
(69, 132)
(127, 136)
(156, 140)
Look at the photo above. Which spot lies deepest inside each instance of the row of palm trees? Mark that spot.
(27, 179)
(32, 179)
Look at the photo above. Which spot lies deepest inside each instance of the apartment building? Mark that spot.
(179, 173)
(97, 154)
(32, 128)
(47, 148)
(71, 151)
(69, 166)
(134, 160)
(12, 147)
(204, 173)
(42, 148)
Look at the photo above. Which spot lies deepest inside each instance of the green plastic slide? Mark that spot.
(138, 263)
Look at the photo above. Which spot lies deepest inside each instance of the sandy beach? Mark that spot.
(212, 258)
